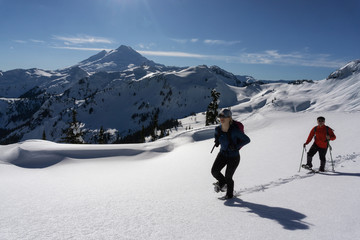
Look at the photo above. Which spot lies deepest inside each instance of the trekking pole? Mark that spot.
(332, 161)
(213, 148)
(302, 155)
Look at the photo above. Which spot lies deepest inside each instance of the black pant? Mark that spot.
(231, 164)
(322, 152)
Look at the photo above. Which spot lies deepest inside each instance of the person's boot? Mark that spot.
(226, 197)
(306, 167)
(218, 188)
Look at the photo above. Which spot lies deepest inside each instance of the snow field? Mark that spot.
(163, 190)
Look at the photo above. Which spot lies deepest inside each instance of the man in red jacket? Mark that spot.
(322, 135)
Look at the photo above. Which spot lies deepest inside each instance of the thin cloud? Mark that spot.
(82, 40)
(184, 41)
(83, 48)
(220, 42)
(30, 40)
(269, 57)
(181, 41)
(37, 41)
(20, 41)
(294, 58)
(207, 41)
(147, 45)
(172, 54)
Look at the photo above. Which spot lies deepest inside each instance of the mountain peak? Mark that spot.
(115, 60)
(125, 48)
(346, 71)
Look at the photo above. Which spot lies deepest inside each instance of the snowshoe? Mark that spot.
(226, 197)
(306, 167)
(217, 187)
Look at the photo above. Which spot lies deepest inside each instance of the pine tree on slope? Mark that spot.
(73, 132)
(212, 109)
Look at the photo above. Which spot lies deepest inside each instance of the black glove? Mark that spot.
(217, 143)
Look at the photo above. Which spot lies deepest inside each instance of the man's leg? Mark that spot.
(322, 156)
(313, 150)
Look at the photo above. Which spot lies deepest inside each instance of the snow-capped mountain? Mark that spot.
(122, 92)
(119, 59)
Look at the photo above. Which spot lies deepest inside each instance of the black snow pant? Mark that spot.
(231, 164)
(322, 152)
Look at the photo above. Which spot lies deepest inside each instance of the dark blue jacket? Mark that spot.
(231, 141)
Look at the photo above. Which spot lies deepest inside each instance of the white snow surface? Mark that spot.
(163, 189)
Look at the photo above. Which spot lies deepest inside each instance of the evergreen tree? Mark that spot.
(73, 132)
(44, 135)
(154, 124)
(142, 135)
(102, 137)
(212, 109)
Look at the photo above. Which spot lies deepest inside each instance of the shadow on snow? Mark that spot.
(289, 219)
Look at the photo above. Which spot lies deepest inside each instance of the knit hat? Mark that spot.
(321, 119)
(225, 113)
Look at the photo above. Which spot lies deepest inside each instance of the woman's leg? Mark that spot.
(232, 165)
(218, 165)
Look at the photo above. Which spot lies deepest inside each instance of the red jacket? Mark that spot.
(320, 138)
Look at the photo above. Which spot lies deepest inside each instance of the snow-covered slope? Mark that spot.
(332, 94)
(348, 70)
(117, 100)
(163, 189)
(124, 92)
(21, 83)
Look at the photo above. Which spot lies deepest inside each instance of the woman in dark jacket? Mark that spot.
(231, 139)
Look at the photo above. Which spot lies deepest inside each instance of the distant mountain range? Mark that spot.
(120, 91)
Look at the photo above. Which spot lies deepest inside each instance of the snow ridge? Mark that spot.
(349, 69)
(122, 91)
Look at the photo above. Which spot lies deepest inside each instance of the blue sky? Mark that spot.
(267, 39)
